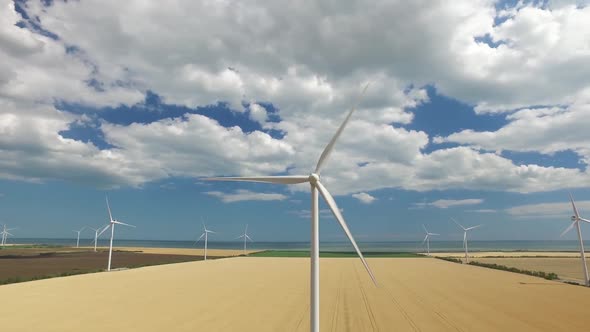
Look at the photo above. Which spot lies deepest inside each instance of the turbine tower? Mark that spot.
(78, 239)
(576, 222)
(96, 230)
(427, 239)
(206, 235)
(465, 237)
(316, 187)
(111, 224)
(246, 237)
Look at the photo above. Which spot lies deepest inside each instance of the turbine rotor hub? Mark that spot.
(574, 218)
(314, 178)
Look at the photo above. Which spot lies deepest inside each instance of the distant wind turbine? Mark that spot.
(111, 224)
(96, 230)
(246, 237)
(206, 235)
(576, 222)
(5, 234)
(465, 237)
(316, 186)
(78, 239)
(427, 239)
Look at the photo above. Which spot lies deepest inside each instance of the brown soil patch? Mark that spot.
(34, 264)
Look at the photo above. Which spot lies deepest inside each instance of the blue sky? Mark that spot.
(462, 121)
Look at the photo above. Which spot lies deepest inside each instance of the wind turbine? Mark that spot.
(205, 234)
(111, 224)
(78, 240)
(465, 237)
(246, 237)
(576, 222)
(427, 239)
(316, 186)
(5, 234)
(96, 230)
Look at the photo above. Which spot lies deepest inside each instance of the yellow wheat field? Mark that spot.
(271, 294)
(479, 254)
(567, 268)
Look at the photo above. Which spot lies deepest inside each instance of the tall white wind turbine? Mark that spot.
(427, 239)
(465, 230)
(78, 239)
(576, 222)
(111, 224)
(246, 237)
(316, 186)
(206, 235)
(5, 233)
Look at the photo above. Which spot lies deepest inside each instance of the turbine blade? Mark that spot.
(328, 149)
(109, 208)
(247, 237)
(425, 238)
(104, 229)
(424, 227)
(122, 223)
(332, 204)
(473, 227)
(585, 220)
(239, 237)
(9, 234)
(281, 179)
(568, 229)
(433, 234)
(574, 207)
(200, 237)
(458, 224)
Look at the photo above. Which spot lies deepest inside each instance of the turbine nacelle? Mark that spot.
(314, 178)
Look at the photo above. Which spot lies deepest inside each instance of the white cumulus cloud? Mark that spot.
(447, 203)
(309, 61)
(364, 198)
(246, 195)
(549, 210)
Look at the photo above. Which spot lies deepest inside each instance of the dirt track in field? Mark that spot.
(272, 294)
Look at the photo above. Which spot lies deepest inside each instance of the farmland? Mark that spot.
(270, 294)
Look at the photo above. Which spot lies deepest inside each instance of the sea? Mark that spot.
(405, 246)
